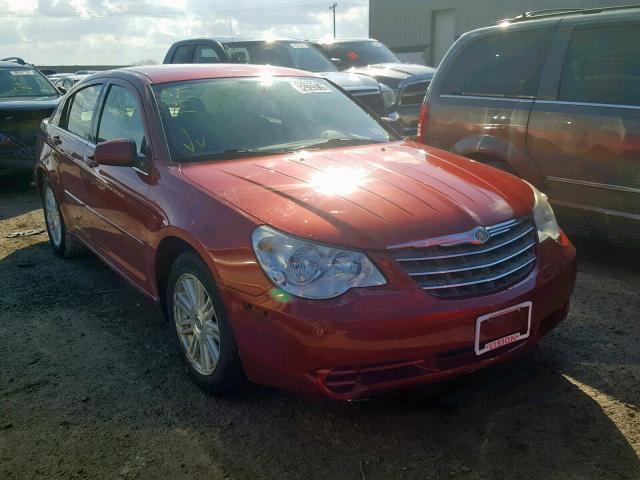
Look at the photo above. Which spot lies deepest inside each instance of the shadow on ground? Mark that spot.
(91, 387)
(13, 201)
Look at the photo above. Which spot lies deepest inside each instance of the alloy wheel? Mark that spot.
(52, 216)
(196, 324)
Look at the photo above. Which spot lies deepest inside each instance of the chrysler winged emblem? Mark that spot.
(480, 235)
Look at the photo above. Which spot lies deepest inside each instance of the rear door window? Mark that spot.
(122, 118)
(507, 64)
(183, 54)
(603, 66)
(82, 111)
(206, 54)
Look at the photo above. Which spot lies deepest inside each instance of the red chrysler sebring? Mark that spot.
(290, 236)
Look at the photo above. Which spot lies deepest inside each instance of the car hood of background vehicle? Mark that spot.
(31, 103)
(366, 197)
(392, 74)
(351, 82)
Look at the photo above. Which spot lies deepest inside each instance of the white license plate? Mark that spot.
(497, 329)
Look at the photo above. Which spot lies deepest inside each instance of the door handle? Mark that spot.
(56, 140)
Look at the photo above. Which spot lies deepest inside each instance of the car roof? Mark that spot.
(242, 38)
(329, 41)
(575, 13)
(15, 65)
(154, 74)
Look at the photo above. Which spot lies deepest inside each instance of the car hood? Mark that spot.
(352, 82)
(22, 103)
(366, 197)
(392, 74)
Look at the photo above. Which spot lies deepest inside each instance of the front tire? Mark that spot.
(63, 244)
(200, 327)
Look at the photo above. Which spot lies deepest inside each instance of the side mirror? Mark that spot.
(61, 89)
(120, 152)
(336, 61)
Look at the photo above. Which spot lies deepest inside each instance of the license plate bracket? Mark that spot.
(497, 329)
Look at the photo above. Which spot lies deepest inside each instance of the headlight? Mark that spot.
(311, 270)
(544, 217)
(388, 96)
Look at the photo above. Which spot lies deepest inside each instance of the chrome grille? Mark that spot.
(414, 94)
(372, 100)
(459, 266)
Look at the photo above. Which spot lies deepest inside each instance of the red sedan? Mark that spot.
(291, 237)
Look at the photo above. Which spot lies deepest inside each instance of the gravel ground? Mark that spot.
(91, 387)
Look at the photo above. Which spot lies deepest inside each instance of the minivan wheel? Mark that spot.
(61, 241)
(200, 327)
(500, 165)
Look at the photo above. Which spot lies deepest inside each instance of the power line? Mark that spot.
(164, 14)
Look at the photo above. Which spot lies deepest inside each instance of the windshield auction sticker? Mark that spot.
(18, 73)
(309, 85)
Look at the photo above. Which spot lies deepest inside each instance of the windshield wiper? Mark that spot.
(337, 142)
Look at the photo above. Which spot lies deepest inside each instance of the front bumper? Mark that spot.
(376, 339)
(408, 121)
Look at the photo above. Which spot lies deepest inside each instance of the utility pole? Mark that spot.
(333, 7)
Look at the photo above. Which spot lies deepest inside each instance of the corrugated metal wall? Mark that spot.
(405, 25)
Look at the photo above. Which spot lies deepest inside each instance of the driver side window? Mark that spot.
(122, 118)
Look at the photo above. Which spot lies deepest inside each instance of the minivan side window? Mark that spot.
(183, 54)
(81, 111)
(507, 64)
(603, 66)
(121, 118)
(206, 54)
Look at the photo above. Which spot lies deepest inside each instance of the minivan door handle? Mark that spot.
(56, 140)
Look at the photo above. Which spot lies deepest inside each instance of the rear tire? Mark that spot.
(63, 243)
(200, 327)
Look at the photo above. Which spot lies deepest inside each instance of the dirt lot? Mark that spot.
(91, 387)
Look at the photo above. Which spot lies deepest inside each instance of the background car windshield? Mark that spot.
(230, 118)
(292, 54)
(24, 82)
(360, 54)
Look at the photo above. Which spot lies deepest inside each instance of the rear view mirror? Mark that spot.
(120, 152)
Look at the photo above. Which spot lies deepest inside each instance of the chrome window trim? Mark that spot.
(586, 183)
(488, 97)
(588, 104)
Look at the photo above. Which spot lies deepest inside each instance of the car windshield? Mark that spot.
(240, 117)
(360, 54)
(24, 82)
(280, 53)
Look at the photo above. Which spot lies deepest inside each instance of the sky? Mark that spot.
(118, 32)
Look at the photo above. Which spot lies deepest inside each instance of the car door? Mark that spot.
(117, 195)
(483, 94)
(585, 136)
(70, 137)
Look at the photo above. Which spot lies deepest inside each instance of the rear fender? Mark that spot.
(501, 151)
